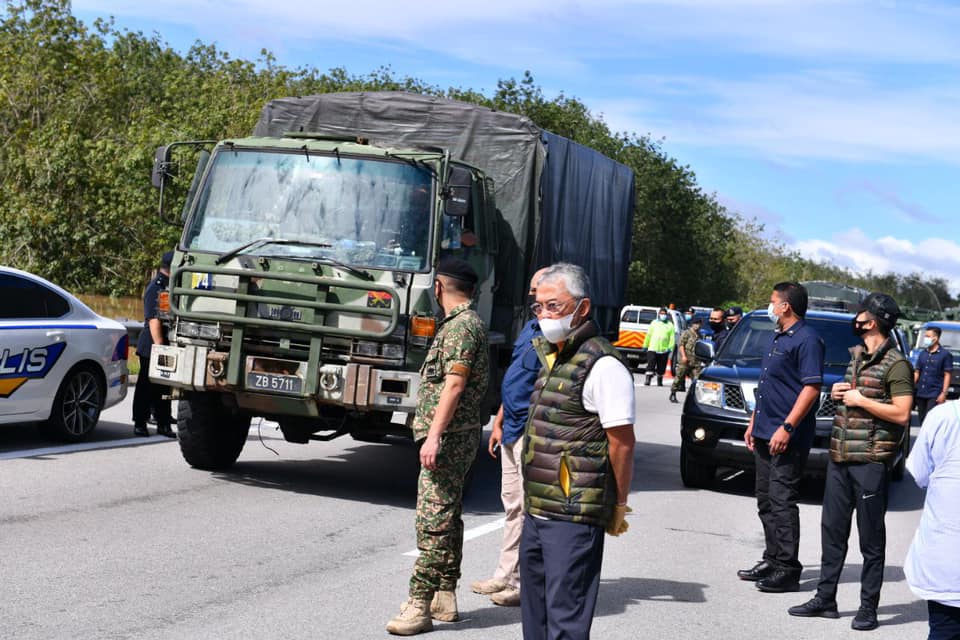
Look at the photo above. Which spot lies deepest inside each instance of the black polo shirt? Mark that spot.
(793, 360)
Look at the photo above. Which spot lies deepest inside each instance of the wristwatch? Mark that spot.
(788, 427)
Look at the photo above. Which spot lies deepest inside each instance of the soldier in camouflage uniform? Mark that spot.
(689, 364)
(447, 425)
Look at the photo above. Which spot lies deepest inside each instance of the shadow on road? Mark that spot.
(616, 595)
(376, 473)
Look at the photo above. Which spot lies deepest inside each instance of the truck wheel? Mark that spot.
(900, 468)
(211, 435)
(695, 475)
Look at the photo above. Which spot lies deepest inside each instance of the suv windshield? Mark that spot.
(751, 338)
(361, 212)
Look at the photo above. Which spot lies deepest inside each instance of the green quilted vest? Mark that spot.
(857, 435)
(563, 439)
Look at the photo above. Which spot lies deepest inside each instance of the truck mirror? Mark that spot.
(457, 194)
(704, 350)
(159, 167)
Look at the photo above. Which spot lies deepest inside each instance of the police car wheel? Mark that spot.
(77, 405)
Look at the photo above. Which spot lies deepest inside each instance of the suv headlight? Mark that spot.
(709, 392)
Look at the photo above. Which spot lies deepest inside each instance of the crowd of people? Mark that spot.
(565, 438)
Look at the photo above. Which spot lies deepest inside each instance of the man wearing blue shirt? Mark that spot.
(780, 434)
(933, 373)
(508, 425)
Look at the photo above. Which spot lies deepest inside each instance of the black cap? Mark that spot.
(733, 311)
(167, 259)
(457, 269)
(883, 307)
(691, 310)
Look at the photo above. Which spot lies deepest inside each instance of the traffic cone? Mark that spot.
(668, 374)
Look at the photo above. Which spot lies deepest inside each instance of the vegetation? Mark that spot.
(85, 106)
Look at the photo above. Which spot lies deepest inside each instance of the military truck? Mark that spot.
(301, 287)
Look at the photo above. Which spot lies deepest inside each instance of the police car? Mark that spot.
(60, 363)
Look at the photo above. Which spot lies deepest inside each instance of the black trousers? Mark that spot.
(944, 621)
(923, 407)
(146, 395)
(560, 572)
(778, 489)
(849, 486)
(657, 363)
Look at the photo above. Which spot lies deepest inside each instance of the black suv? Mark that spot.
(717, 409)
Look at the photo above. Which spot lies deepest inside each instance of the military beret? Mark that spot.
(882, 306)
(457, 269)
(167, 259)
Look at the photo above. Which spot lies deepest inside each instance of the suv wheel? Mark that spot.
(695, 475)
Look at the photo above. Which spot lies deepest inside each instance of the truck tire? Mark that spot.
(695, 475)
(211, 435)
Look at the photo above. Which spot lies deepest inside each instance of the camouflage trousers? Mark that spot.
(439, 507)
(684, 369)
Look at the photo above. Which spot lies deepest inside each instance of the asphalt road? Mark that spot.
(124, 540)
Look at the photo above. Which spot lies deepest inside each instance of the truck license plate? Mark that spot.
(275, 383)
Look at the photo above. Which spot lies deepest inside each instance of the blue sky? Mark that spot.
(834, 123)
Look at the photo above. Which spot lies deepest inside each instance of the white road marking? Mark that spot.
(81, 446)
(470, 534)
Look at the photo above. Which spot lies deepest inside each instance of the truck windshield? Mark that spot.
(360, 212)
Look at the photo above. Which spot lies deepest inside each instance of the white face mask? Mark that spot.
(663, 318)
(774, 317)
(927, 342)
(557, 329)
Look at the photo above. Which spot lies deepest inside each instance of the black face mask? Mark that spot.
(717, 326)
(859, 329)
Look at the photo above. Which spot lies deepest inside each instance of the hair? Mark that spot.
(462, 287)
(795, 294)
(937, 331)
(662, 310)
(574, 278)
(720, 309)
(883, 326)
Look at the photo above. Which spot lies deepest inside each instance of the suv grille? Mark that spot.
(733, 397)
(827, 406)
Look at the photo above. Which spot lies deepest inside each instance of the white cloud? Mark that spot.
(860, 252)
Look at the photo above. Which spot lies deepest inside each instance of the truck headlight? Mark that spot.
(365, 348)
(198, 330)
(709, 393)
(393, 351)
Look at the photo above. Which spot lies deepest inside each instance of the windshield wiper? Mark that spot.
(346, 267)
(417, 163)
(259, 242)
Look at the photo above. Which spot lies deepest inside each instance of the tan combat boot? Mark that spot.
(444, 606)
(414, 618)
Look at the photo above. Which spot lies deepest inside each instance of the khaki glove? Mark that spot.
(618, 523)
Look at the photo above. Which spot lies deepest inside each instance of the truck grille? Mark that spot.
(733, 397)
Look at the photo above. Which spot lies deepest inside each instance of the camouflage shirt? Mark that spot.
(688, 340)
(460, 346)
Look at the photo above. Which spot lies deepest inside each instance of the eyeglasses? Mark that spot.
(553, 307)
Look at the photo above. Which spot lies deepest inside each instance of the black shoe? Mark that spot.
(673, 397)
(659, 381)
(866, 619)
(780, 581)
(647, 382)
(760, 570)
(140, 430)
(816, 607)
(166, 431)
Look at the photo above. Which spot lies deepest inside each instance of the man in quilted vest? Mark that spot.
(873, 417)
(577, 460)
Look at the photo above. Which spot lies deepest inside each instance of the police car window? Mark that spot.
(630, 315)
(647, 317)
(21, 299)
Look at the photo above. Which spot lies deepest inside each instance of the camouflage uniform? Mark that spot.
(692, 366)
(461, 342)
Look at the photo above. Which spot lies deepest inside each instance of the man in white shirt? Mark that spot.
(577, 460)
(932, 567)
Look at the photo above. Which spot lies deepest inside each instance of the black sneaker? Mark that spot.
(166, 431)
(816, 607)
(780, 581)
(866, 619)
(140, 430)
